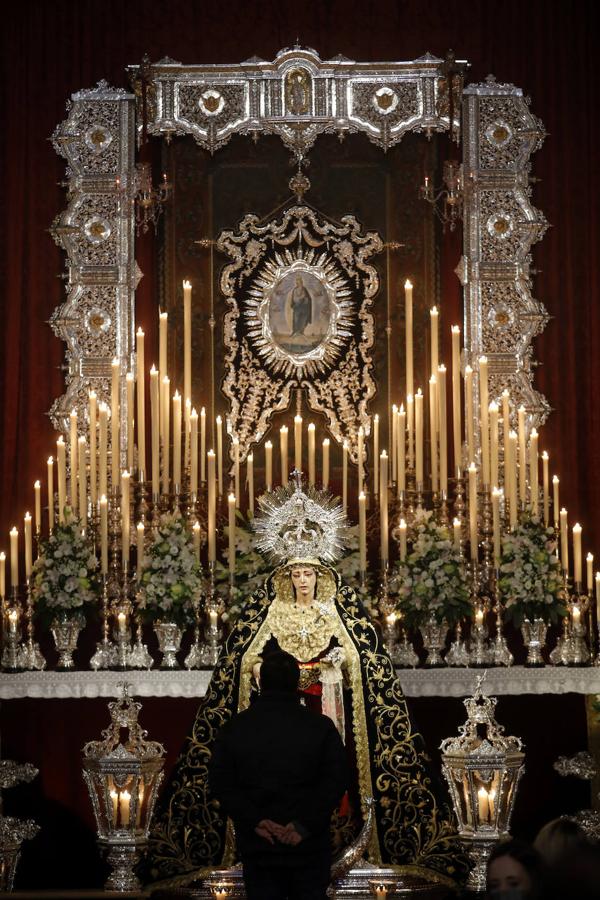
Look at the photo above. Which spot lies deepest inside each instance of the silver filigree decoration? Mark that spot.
(582, 765)
(295, 525)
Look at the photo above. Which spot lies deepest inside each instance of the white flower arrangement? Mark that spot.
(531, 584)
(64, 582)
(251, 568)
(171, 581)
(432, 580)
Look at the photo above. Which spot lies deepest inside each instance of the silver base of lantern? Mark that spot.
(479, 850)
(122, 858)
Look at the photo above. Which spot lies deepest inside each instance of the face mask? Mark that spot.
(513, 893)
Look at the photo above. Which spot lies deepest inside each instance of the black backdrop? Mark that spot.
(49, 50)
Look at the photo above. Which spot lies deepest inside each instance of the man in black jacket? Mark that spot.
(279, 771)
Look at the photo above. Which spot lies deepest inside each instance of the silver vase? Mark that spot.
(534, 637)
(434, 639)
(65, 631)
(169, 641)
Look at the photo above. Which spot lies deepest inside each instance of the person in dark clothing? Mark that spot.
(279, 771)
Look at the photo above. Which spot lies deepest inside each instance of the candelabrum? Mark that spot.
(30, 655)
(122, 778)
(500, 655)
(12, 632)
(482, 767)
(13, 831)
(578, 653)
(458, 653)
(104, 656)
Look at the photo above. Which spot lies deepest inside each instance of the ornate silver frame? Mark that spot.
(297, 96)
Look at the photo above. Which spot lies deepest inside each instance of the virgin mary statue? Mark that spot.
(346, 673)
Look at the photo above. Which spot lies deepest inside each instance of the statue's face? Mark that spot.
(304, 579)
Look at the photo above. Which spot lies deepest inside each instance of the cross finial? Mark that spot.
(296, 475)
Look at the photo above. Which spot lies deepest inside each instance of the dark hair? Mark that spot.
(279, 672)
(528, 857)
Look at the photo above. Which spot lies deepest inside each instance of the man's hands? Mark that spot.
(273, 831)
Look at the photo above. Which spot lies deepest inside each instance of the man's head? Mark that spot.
(279, 672)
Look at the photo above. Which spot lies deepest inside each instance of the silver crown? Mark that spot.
(295, 525)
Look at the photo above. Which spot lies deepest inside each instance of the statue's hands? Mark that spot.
(256, 672)
(336, 657)
(269, 830)
(290, 836)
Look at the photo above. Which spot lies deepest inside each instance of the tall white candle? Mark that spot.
(103, 534)
(140, 549)
(187, 340)
(326, 464)
(130, 389)
(505, 426)
(362, 530)
(194, 452)
(408, 317)
(345, 475)
(597, 580)
(383, 506)
(433, 409)
(141, 404)
(469, 414)
(163, 327)
(360, 454)
(125, 516)
(434, 319)
(236, 468)
(82, 469)
(61, 462)
(534, 472)
(456, 400)
(419, 438)
(250, 482)
(176, 440)
(564, 540)
(375, 455)
(494, 467)
(166, 434)
(577, 571)
(14, 557)
(555, 500)
(220, 455)
(283, 452)
(269, 465)
(401, 449)
(50, 493)
(484, 418)
(212, 507)
(394, 442)
(231, 505)
(115, 413)
(496, 495)
(512, 475)
(37, 492)
(473, 536)
(546, 486)
(410, 430)
(298, 443)
(3, 575)
(196, 532)
(589, 569)
(457, 530)
(522, 456)
(442, 427)
(312, 461)
(73, 456)
(203, 445)
(155, 422)
(403, 540)
(28, 535)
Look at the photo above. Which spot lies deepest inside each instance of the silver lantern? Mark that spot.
(482, 767)
(123, 776)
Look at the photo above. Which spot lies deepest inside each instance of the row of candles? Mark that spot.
(180, 460)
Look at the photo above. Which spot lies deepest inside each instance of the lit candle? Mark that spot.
(62, 478)
(522, 456)
(27, 530)
(140, 549)
(494, 468)
(141, 405)
(283, 452)
(103, 535)
(383, 507)
(469, 413)
(220, 454)
(589, 565)
(213, 619)
(103, 448)
(37, 491)
(125, 514)
(512, 474)
(434, 319)
(155, 417)
(484, 417)
(456, 399)
(115, 384)
(203, 445)
(419, 439)
(196, 539)
(362, 528)
(473, 538)
(326, 464)
(176, 441)
(163, 327)
(124, 807)
(269, 465)
(50, 493)
(597, 580)
(403, 540)
(375, 454)
(401, 450)
(166, 433)
(408, 318)
(187, 340)
(491, 800)
(479, 617)
(433, 429)
(2, 575)
(250, 482)
(496, 494)
(345, 475)
(82, 469)
(115, 806)
(577, 568)
(121, 622)
(483, 806)
(298, 443)
(73, 458)
(194, 452)
(212, 508)
(231, 504)
(360, 452)
(576, 615)
(533, 472)
(505, 428)
(311, 455)
(457, 533)
(555, 503)
(236, 468)
(410, 429)
(442, 426)
(14, 557)
(394, 442)
(129, 392)
(564, 541)
(546, 486)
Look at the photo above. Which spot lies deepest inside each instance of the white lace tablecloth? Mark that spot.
(443, 682)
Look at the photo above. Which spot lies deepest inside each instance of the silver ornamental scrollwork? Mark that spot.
(299, 291)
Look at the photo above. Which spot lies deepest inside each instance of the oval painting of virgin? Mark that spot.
(299, 312)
